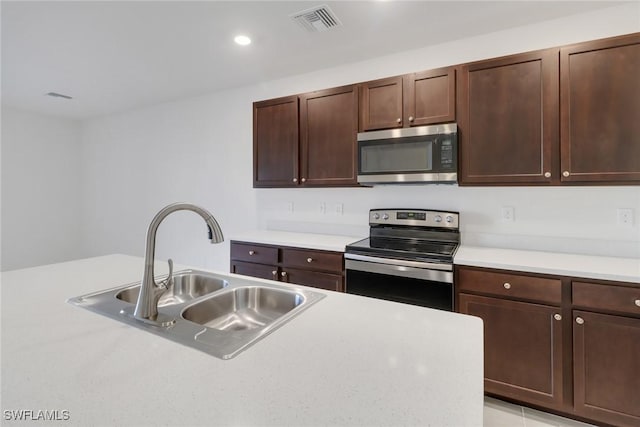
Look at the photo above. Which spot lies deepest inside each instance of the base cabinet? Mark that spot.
(523, 348)
(523, 332)
(559, 343)
(606, 362)
(318, 269)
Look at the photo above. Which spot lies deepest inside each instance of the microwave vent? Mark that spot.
(316, 19)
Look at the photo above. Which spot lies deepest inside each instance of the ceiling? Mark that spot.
(120, 55)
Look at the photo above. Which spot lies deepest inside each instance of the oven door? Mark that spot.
(426, 285)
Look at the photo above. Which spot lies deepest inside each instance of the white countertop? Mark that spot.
(325, 242)
(586, 266)
(347, 360)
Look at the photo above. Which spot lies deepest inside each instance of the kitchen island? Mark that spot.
(347, 360)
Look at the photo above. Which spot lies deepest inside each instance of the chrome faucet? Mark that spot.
(150, 291)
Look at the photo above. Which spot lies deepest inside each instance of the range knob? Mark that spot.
(437, 218)
(449, 219)
(385, 216)
(376, 216)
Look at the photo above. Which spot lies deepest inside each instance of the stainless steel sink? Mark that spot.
(187, 285)
(217, 314)
(243, 308)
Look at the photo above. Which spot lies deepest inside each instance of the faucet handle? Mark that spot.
(166, 283)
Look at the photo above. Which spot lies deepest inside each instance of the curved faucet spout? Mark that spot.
(150, 291)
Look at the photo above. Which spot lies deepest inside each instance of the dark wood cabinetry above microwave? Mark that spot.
(560, 116)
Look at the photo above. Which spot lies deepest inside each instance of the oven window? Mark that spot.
(406, 290)
(393, 157)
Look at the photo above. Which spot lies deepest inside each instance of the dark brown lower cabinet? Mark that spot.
(307, 267)
(255, 270)
(316, 279)
(568, 345)
(606, 367)
(523, 348)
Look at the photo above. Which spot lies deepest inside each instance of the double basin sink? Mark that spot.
(207, 312)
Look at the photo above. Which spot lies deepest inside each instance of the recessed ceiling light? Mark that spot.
(242, 40)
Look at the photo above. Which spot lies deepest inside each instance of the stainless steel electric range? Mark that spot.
(407, 258)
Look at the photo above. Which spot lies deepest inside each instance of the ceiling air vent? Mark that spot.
(319, 18)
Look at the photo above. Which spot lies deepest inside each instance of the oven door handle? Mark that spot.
(397, 270)
(402, 262)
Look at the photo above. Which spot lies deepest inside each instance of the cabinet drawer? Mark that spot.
(254, 253)
(510, 285)
(607, 297)
(312, 260)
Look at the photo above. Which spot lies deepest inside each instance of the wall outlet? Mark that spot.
(508, 214)
(625, 217)
(322, 207)
(290, 208)
(339, 208)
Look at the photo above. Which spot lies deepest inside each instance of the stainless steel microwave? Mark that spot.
(422, 154)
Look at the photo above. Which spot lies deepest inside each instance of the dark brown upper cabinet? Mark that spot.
(275, 142)
(306, 140)
(416, 99)
(328, 133)
(381, 104)
(600, 110)
(430, 97)
(508, 120)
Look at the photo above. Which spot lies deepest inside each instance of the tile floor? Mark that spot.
(502, 414)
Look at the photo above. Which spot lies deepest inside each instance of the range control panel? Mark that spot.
(414, 217)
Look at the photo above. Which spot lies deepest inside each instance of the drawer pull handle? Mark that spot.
(252, 253)
(637, 302)
(579, 320)
(557, 316)
(507, 285)
(311, 259)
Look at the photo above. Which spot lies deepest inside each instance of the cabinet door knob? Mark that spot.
(275, 273)
(637, 302)
(398, 120)
(410, 118)
(557, 316)
(252, 253)
(507, 285)
(547, 174)
(295, 179)
(283, 274)
(304, 180)
(565, 174)
(579, 320)
(311, 259)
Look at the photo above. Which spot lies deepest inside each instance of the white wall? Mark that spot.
(200, 150)
(40, 190)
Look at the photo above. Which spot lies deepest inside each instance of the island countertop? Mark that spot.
(347, 360)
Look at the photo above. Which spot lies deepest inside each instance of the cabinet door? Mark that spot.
(260, 271)
(430, 97)
(328, 136)
(600, 111)
(275, 142)
(522, 348)
(606, 362)
(332, 282)
(508, 120)
(381, 104)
